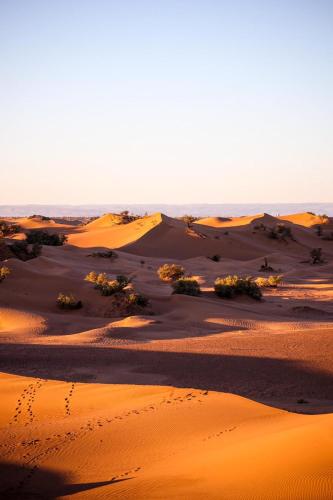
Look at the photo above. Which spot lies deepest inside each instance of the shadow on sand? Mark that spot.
(18, 482)
(262, 379)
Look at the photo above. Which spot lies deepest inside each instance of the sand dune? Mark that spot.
(306, 219)
(195, 397)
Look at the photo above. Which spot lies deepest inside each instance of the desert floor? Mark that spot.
(195, 397)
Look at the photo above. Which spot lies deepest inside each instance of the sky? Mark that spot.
(166, 101)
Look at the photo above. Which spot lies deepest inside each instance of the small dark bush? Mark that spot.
(188, 219)
(230, 286)
(45, 238)
(316, 256)
(215, 258)
(186, 286)
(68, 301)
(265, 267)
(280, 232)
(170, 272)
(109, 254)
(137, 299)
(302, 401)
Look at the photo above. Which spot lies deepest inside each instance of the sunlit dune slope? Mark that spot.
(306, 219)
(148, 442)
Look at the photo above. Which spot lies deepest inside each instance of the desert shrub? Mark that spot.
(170, 272)
(280, 232)
(186, 286)
(215, 258)
(265, 267)
(4, 273)
(105, 285)
(45, 238)
(8, 228)
(188, 219)
(91, 277)
(316, 255)
(270, 282)
(23, 251)
(230, 286)
(109, 254)
(137, 299)
(68, 301)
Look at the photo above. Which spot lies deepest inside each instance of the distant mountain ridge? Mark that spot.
(176, 210)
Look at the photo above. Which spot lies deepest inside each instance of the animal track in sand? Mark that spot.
(219, 434)
(68, 400)
(24, 406)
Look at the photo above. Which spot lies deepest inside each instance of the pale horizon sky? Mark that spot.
(166, 101)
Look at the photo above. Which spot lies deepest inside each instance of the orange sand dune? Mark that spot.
(237, 221)
(38, 223)
(306, 219)
(111, 441)
(192, 397)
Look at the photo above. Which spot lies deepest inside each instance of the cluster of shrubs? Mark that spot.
(125, 296)
(8, 228)
(230, 286)
(4, 272)
(44, 238)
(68, 301)
(105, 285)
(175, 274)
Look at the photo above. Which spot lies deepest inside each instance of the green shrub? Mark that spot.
(4, 273)
(186, 286)
(137, 299)
(230, 286)
(170, 272)
(68, 301)
(270, 282)
(105, 285)
(45, 238)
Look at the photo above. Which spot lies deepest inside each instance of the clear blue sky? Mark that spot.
(166, 101)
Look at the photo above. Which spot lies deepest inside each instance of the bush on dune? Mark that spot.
(186, 286)
(124, 300)
(68, 301)
(270, 282)
(21, 249)
(170, 272)
(105, 285)
(8, 228)
(108, 254)
(4, 273)
(45, 238)
(230, 286)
